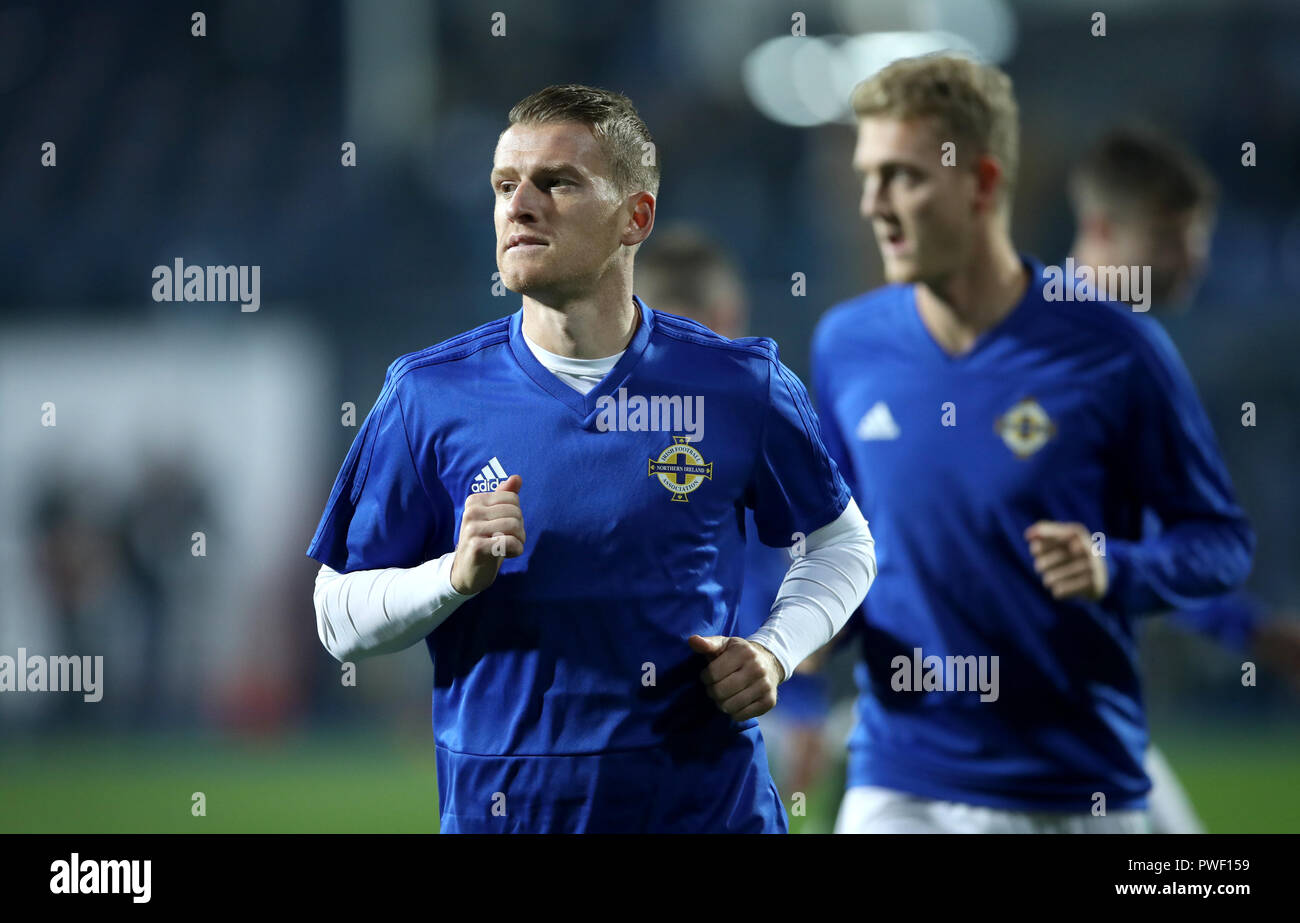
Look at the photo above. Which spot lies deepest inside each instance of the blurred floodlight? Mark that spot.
(816, 66)
(989, 25)
(806, 80)
(767, 72)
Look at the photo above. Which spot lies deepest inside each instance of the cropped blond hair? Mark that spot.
(972, 103)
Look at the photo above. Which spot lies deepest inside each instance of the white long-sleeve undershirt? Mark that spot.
(383, 610)
(820, 590)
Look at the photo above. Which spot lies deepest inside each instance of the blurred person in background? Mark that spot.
(1141, 199)
(115, 570)
(683, 271)
(86, 591)
(992, 432)
(94, 597)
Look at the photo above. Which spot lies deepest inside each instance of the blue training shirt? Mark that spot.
(1068, 411)
(1231, 620)
(566, 697)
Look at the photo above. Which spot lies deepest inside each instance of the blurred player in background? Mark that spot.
(683, 271)
(589, 674)
(1141, 199)
(1005, 444)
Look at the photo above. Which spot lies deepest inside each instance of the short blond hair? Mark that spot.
(973, 104)
(619, 130)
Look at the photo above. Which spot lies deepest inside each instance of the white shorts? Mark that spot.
(1170, 808)
(871, 809)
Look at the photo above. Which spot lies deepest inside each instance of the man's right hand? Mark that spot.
(491, 530)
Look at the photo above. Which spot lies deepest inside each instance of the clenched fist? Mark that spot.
(741, 676)
(491, 530)
(1064, 558)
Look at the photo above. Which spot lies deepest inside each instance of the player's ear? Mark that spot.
(642, 220)
(988, 182)
(1095, 226)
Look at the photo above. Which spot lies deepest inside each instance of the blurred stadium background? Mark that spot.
(175, 418)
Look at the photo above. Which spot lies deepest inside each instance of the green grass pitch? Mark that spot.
(1240, 783)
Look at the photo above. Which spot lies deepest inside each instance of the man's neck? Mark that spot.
(975, 298)
(591, 327)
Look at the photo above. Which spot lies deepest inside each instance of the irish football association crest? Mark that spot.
(681, 468)
(1025, 428)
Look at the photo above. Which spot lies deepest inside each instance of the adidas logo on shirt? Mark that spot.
(878, 423)
(489, 478)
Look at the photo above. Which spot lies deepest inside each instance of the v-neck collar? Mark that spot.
(1033, 292)
(582, 404)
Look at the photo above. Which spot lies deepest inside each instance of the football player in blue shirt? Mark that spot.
(554, 502)
(1141, 199)
(1004, 436)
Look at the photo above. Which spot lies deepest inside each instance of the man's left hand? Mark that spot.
(1064, 558)
(741, 676)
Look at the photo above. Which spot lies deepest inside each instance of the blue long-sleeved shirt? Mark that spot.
(1067, 411)
(1230, 620)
